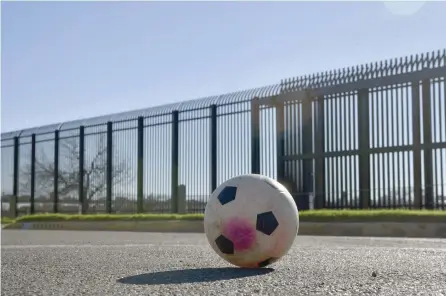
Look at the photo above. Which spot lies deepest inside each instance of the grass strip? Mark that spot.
(400, 215)
(6, 220)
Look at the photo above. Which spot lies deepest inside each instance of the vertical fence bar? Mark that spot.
(213, 147)
(319, 174)
(255, 136)
(56, 172)
(427, 139)
(416, 128)
(15, 185)
(140, 169)
(280, 138)
(33, 175)
(108, 199)
(82, 201)
(307, 151)
(175, 160)
(364, 147)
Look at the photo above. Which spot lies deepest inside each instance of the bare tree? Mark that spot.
(94, 172)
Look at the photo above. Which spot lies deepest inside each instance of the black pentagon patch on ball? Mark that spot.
(268, 261)
(225, 245)
(227, 195)
(266, 223)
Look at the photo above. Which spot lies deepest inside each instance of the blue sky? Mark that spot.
(72, 60)
(63, 61)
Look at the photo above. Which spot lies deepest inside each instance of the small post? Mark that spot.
(181, 199)
(109, 177)
(82, 200)
(213, 147)
(56, 172)
(175, 160)
(140, 168)
(33, 174)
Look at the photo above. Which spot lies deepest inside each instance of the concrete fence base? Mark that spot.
(377, 229)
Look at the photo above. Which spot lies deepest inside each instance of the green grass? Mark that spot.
(400, 215)
(308, 216)
(6, 220)
(107, 217)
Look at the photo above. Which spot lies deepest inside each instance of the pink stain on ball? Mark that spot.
(241, 233)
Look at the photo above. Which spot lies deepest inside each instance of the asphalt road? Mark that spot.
(121, 263)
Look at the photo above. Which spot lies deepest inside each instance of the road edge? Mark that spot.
(378, 229)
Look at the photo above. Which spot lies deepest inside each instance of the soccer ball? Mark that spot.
(251, 221)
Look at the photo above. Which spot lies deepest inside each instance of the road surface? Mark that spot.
(123, 263)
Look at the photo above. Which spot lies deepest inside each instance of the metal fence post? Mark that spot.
(427, 141)
(213, 147)
(255, 136)
(82, 200)
(280, 134)
(33, 174)
(319, 147)
(416, 128)
(109, 177)
(364, 148)
(307, 151)
(56, 172)
(140, 168)
(175, 160)
(15, 185)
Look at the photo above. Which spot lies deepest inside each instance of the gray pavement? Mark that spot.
(122, 263)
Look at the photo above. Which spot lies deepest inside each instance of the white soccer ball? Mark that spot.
(251, 221)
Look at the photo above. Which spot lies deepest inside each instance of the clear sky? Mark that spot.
(68, 60)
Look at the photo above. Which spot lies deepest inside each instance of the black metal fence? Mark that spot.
(370, 136)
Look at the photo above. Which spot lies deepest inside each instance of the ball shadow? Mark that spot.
(193, 276)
